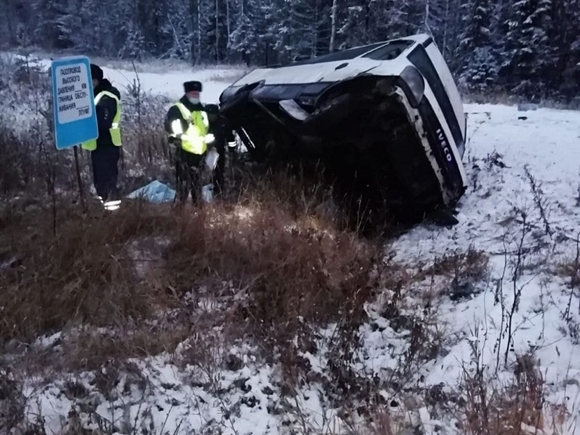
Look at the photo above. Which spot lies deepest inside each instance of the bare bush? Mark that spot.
(73, 277)
(31, 160)
(287, 273)
(145, 147)
(464, 270)
(540, 201)
(490, 407)
(570, 270)
(12, 401)
(578, 195)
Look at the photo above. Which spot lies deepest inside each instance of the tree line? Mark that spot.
(528, 48)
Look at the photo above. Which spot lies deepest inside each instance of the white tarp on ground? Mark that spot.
(155, 191)
(158, 192)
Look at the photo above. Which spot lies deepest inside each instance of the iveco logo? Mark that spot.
(444, 145)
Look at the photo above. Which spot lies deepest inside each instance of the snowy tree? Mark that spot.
(408, 17)
(352, 31)
(445, 24)
(564, 77)
(244, 38)
(529, 47)
(295, 27)
(54, 27)
(380, 21)
(528, 54)
(211, 30)
(15, 23)
(179, 27)
(475, 54)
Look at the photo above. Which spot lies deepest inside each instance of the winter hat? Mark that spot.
(192, 86)
(96, 72)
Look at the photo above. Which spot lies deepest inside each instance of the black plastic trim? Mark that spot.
(421, 60)
(277, 92)
(438, 142)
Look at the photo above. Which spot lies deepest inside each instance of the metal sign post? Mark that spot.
(75, 118)
(73, 106)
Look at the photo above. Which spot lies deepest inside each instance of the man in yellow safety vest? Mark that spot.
(187, 125)
(106, 149)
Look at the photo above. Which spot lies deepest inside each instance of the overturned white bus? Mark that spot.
(387, 117)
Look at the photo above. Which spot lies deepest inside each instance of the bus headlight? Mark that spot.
(415, 83)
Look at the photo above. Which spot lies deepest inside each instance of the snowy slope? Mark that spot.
(546, 145)
(171, 84)
(502, 153)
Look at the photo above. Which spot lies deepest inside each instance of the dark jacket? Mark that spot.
(106, 111)
(174, 113)
(219, 126)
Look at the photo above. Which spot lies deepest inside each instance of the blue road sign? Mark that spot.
(75, 118)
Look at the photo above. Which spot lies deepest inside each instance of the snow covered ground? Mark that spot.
(522, 211)
(171, 84)
(168, 80)
(506, 148)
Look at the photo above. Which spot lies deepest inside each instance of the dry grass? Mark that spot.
(472, 264)
(90, 349)
(492, 407)
(283, 275)
(81, 275)
(383, 420)
(12, 402)
(187, 281)
(290, 280)
(570, 270)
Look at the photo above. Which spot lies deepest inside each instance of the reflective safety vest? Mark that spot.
(115, 129)
(193, 139)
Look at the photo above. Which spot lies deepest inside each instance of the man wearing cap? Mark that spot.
(106, 149)
(187, 125)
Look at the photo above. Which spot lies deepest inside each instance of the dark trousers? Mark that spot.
(106, 171)
(187, 175)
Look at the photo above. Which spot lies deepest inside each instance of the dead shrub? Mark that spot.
(80, 276)
(463, 270)
(493, 408)
(206, 351)
(383, 419)
(15, 164)
(143, 134)
(276, 275)
(307, 188)
(570, 268)
(90, 349)
(471, 264)
(289, 187)
(289, 274)
(12, 402)
(290, 279)
(29, 164)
